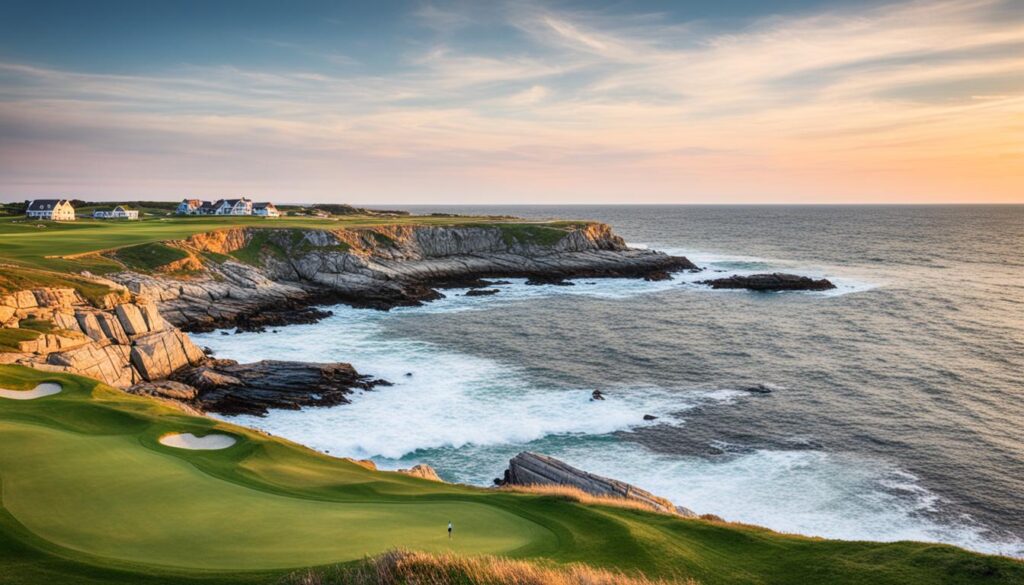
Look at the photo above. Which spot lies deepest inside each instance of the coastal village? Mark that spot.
(64, 210)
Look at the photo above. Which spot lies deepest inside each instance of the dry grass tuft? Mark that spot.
(575, 494)
(400, 567)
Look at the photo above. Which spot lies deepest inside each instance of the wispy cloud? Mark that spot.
(845, 104)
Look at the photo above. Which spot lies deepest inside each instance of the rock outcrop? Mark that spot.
(124, 346)
(228, 387)
(379, 267)
(528, 469)
(770, 282)
(422, 471)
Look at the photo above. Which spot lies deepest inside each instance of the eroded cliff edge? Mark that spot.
(134, 338)
(242, 270)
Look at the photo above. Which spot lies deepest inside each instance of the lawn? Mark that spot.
(89, 496)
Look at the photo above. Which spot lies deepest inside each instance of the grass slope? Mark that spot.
(89, 495)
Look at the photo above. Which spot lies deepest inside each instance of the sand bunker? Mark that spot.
(44, 389)
(190, 441)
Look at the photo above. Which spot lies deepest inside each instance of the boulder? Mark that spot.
(422, 471)
(57, 297)
(66, 321)
(24, 299)
(769, 282)
(112, 328)
(481, 292)
(6, 312)
(529, 468)
(158, 355)
(154, 322)
(131, 319)
(90, 325)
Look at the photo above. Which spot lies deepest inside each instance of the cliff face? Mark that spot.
(380, 266)
(121, 346)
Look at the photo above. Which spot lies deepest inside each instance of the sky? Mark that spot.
(732, 101)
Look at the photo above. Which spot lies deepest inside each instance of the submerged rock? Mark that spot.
(650, 417)
(528, 469)
(597, 395)
(657, 275)
(769, 282)
(482, 292)
(552, 280)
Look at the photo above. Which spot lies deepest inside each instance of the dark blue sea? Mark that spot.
(898, 403)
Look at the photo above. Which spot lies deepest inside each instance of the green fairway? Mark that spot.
(117, 510)
(90, 496)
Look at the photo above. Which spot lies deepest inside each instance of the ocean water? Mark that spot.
(898, 410)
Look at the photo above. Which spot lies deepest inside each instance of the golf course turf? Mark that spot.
(90, 495)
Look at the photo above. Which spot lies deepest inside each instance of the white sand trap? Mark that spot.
(189, 441)
(44, 389)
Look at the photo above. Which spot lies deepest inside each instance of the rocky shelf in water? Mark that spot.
(397, 266)
(228, 387)
(769, 282)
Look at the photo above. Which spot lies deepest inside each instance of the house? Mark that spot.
(189, 207)
(205, 209)
(265, 209)
(52, 209)
(119, 212)
(241, 206)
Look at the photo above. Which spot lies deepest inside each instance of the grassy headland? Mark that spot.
(43, 253)
(89, 495)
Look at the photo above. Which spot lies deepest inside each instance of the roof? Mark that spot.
(44, 204)
(208, 205)
(192, 201)
(233, 202)
(262, 205)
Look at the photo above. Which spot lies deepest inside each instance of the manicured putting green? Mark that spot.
(106, 496)
(89, 495)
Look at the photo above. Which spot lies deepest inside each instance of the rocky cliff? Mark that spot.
(380, 266)
(121, 346)
(255, 277)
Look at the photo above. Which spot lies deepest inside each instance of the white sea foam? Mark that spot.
(467, 415)
(450, 400)
(806, 492)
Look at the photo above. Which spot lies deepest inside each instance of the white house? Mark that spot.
(265, 209)
(241, 206)
(189, 207)
(52, 209)
(119, 212)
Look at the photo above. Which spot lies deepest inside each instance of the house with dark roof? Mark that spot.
(241, 206)
(51, 209)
